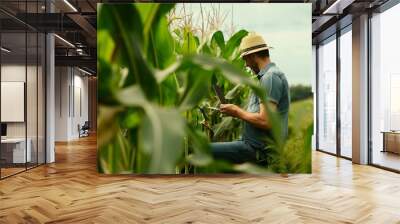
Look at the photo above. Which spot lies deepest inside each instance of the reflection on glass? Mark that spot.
(386, 89)
(41, 99)
(394, 102)
(22, 90)
(31, 101)
(346, 94)
(314, 83)
(327, 96)
(15, 151)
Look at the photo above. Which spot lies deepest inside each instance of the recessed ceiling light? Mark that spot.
(84, 71)
(70, 5)
(64, 40)
(5, 50)
(335, 7)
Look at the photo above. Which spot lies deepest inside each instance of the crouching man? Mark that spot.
(256, 125)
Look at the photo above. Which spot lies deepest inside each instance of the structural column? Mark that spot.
(50, 92)
(360, 90)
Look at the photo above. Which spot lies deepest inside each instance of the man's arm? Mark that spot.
(259, 119)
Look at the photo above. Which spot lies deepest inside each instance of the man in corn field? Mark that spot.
(257, 126)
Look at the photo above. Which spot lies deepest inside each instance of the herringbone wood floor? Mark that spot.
(71, 191)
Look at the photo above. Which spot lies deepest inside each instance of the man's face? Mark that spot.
(251, 63)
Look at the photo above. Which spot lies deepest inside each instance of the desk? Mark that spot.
(15, 148)
(391, 141)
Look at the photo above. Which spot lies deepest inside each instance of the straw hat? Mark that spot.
(252, 43)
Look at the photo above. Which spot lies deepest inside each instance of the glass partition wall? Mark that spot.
(334, 94)
(22, 77)
(334, 84)
(385, 89)
(345, 61)
(13, 88)
(327, 95)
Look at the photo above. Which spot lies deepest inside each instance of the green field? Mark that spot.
(300, 115)
(295, 157)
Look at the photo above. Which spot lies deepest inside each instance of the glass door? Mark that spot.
(22, 77)
(385, 89)
(327, 96)
(15, 152)
(346, 92)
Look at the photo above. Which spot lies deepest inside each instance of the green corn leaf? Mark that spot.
(160, 38)
(154, 14)
(161, 134)
(131, 96)
(197, 83)
(108, 80)
(218, 40)
(104, 39)
(118, 153)
(223, 126)
(234, 92)
(233, 44)
(189, 45)
(130, 40)
(306, 157)
(229, 71)
(107, 123)
(130, 119)
(106, 20)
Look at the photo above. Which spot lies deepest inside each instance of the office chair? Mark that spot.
(84, 130)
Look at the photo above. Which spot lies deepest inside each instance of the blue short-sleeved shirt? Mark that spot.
(274, 82)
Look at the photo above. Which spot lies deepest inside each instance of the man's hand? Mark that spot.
(229, 109)
(258, 119)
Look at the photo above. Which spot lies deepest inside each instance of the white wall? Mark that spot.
(61, 103)
(71, 102)
(33, 127)
(12, 73)
(80, 110)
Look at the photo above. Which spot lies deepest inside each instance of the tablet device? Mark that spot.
(219, 93)
(203, 113)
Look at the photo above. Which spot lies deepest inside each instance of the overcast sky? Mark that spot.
(286, 27)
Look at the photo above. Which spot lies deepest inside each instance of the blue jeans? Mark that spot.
(234, 152)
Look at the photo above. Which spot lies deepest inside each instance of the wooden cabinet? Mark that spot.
(13, 151)
(391, 142)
